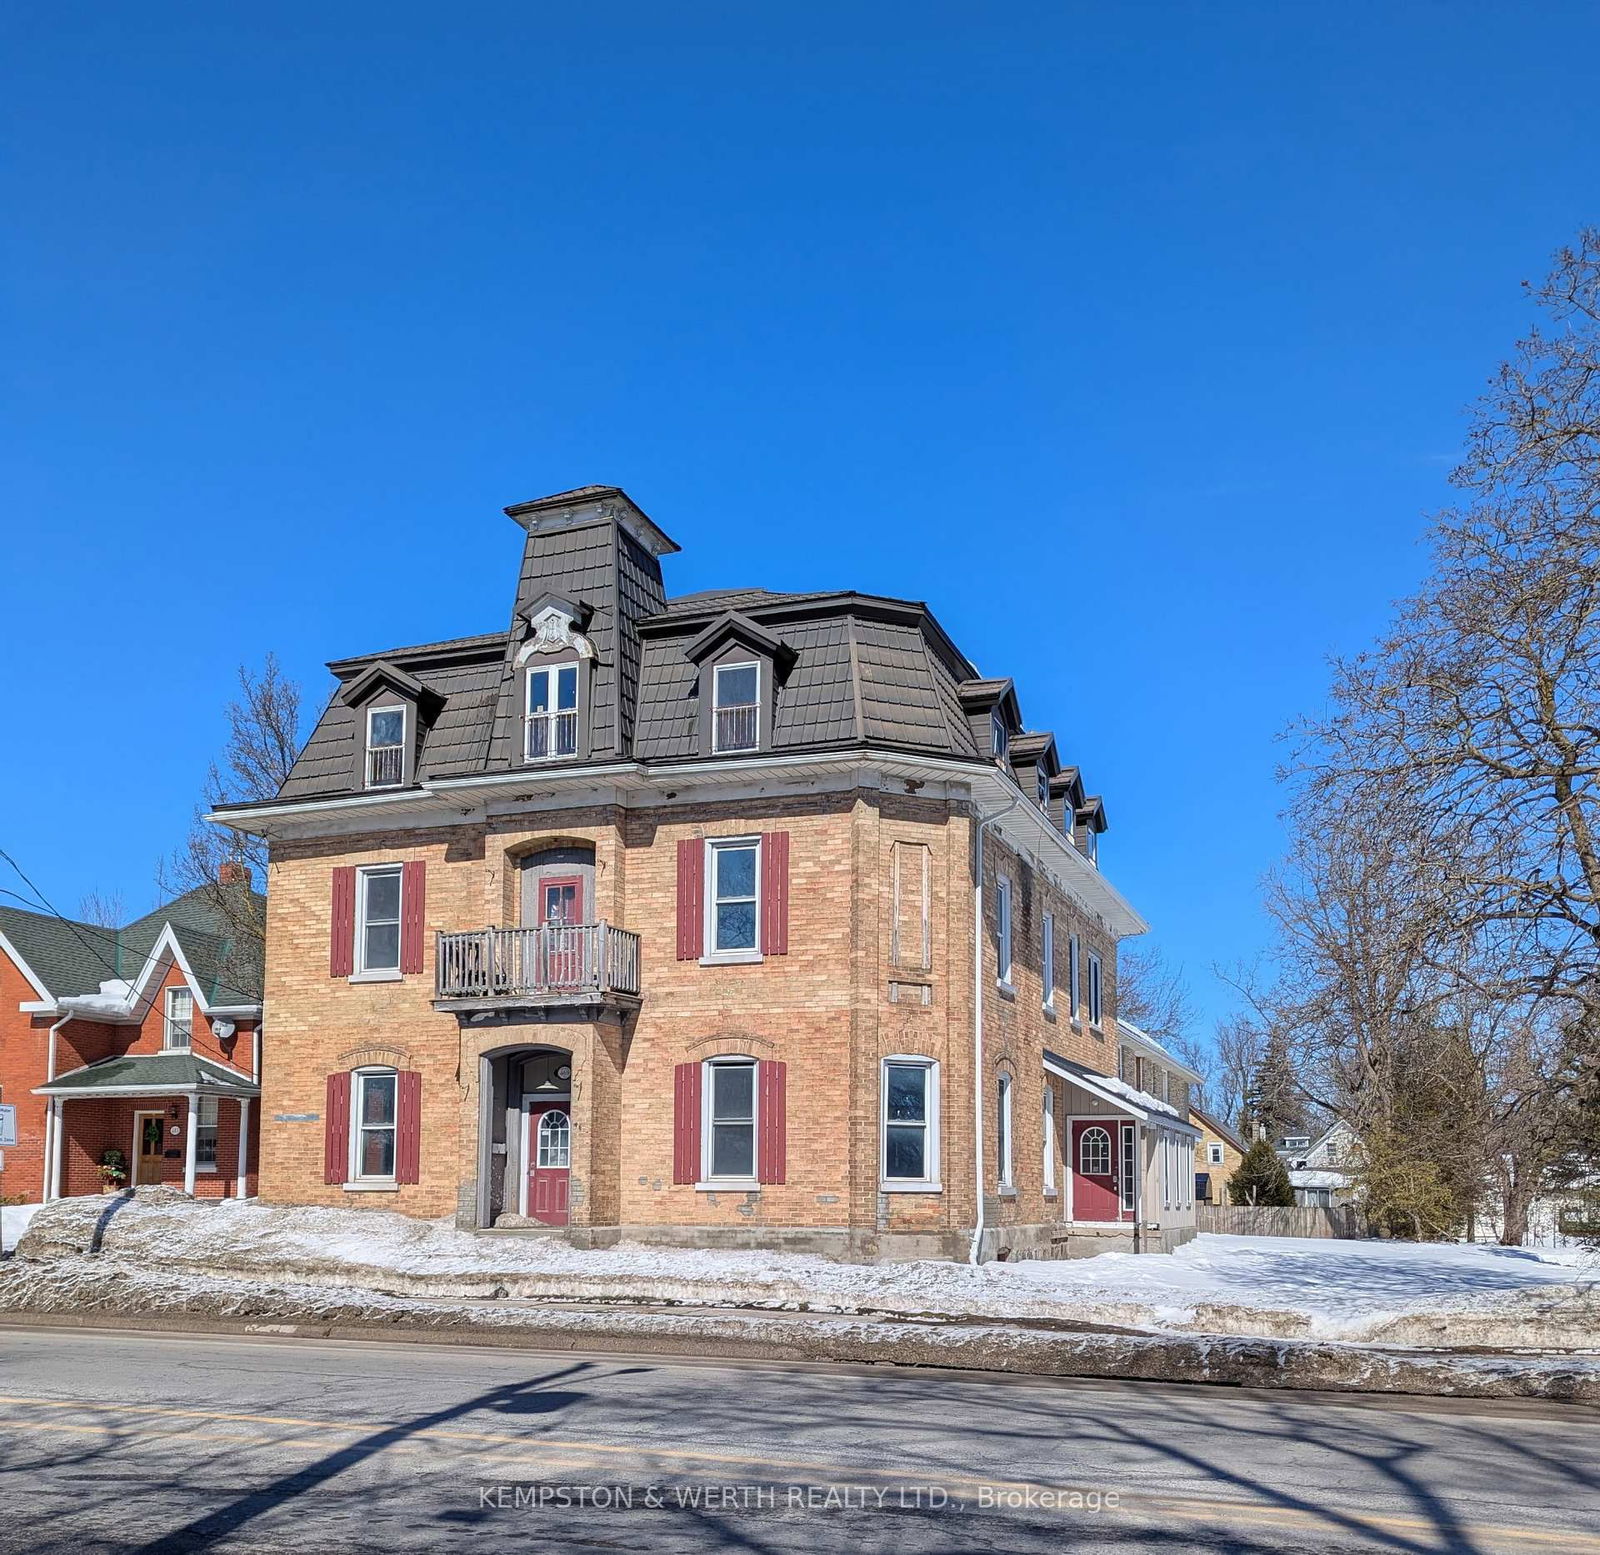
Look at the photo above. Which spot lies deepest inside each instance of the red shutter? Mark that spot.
(413, 910)
(686, 1123)
(772, 1148)
(408, 1126)
(342, 926)
(336, 1130)
(691, 899)
(775, 893)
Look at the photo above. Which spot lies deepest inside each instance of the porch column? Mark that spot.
(52, 1189)
(191, 1142)
(240, 1177)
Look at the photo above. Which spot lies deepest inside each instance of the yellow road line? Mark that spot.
(1194, 1508)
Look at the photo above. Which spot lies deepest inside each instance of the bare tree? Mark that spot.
(263, 742)
(1154, 995)
(104, 909)
(1237, 1046)
(1440, 913)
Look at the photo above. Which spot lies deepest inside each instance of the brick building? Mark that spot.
(734, 919)
(135, 1046)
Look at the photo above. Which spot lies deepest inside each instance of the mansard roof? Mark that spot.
(860, 669)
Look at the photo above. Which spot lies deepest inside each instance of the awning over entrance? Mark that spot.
(151, 1074)
(1125, 1098)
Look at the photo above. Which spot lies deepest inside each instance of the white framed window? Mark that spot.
(909, 1124)
(1094, 1152)
(1074, 988)
(373, 1099)
(386, 738)
(1044, 789)
(1214, 1155)
(1049, 1138)
(1047, 961)
(177, 1028)
(736, 707)
(1095, 1010)
(1003, 1131)
(728, 1124)
(1091, 844)
(733, 897)
(553, 1142)
(999, 736)
(205, 1133)
(551, 717)
(1003, 915)
(378, 918)
(1130, 1168)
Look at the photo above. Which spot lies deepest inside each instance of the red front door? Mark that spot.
(1094, 1171)
(549, 1147)
(562, 942)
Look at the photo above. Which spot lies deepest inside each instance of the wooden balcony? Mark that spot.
(558, 964)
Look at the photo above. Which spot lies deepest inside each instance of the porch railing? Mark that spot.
(555, 961)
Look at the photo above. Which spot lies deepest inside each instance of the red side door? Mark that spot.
(560, 914)
(1094, 1170)
(549, 1161)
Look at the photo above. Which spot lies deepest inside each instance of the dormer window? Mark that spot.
(386, 737)
(551, 722)
(1044, 790)
(736, 704)
(999, 736)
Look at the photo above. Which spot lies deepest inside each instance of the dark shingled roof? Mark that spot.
(168, 1070)
(75, 958)
(853, 668)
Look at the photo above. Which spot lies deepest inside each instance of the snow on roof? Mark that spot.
(1132, 1093)
(1304, 1177)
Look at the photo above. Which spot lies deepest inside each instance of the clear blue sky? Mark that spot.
(1134, 337)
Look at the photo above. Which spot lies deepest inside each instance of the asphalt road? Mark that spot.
(131, 1442)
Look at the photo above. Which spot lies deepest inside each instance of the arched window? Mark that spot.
(555, 1140)
(1094, 1152)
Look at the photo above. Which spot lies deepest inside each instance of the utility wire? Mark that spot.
(52, 911)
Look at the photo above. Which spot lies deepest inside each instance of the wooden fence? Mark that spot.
(1340, 1220)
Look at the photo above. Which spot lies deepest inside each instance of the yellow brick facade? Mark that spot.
(848, 993)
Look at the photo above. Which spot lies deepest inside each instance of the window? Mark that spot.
(386, 736)
(372, 1097)
(205, 1133)
(733, 924)
(1003, 912)
(1095, 1011)
(378, 919)
(1047, 961)
(1130, 1179)
(736, 707)
(1074, 992)
(1049, 1138)
(1091, 844)
(730, 1121)
(999, 736)
(178, 1028)
(1044, 789)
(1094, 1152)
(910, 1111)
(1003, 1131)
(553, 1148)
(1214, 1155)
(552, 714)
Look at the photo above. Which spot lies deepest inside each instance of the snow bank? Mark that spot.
(1272, 1287)
(14, 1220)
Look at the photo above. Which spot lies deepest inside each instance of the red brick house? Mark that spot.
(139, 1044)
(732, 919)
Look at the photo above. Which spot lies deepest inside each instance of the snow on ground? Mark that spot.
(1268, 1286)
(14, 1220)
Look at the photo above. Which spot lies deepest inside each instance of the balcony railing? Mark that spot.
(559, 962)
(550, 734)
(738, 728)
(384, 766)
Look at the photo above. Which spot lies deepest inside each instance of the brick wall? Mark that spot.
(827, 1010)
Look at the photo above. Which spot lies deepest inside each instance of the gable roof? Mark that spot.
(72, 958)
(1218, 1127)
